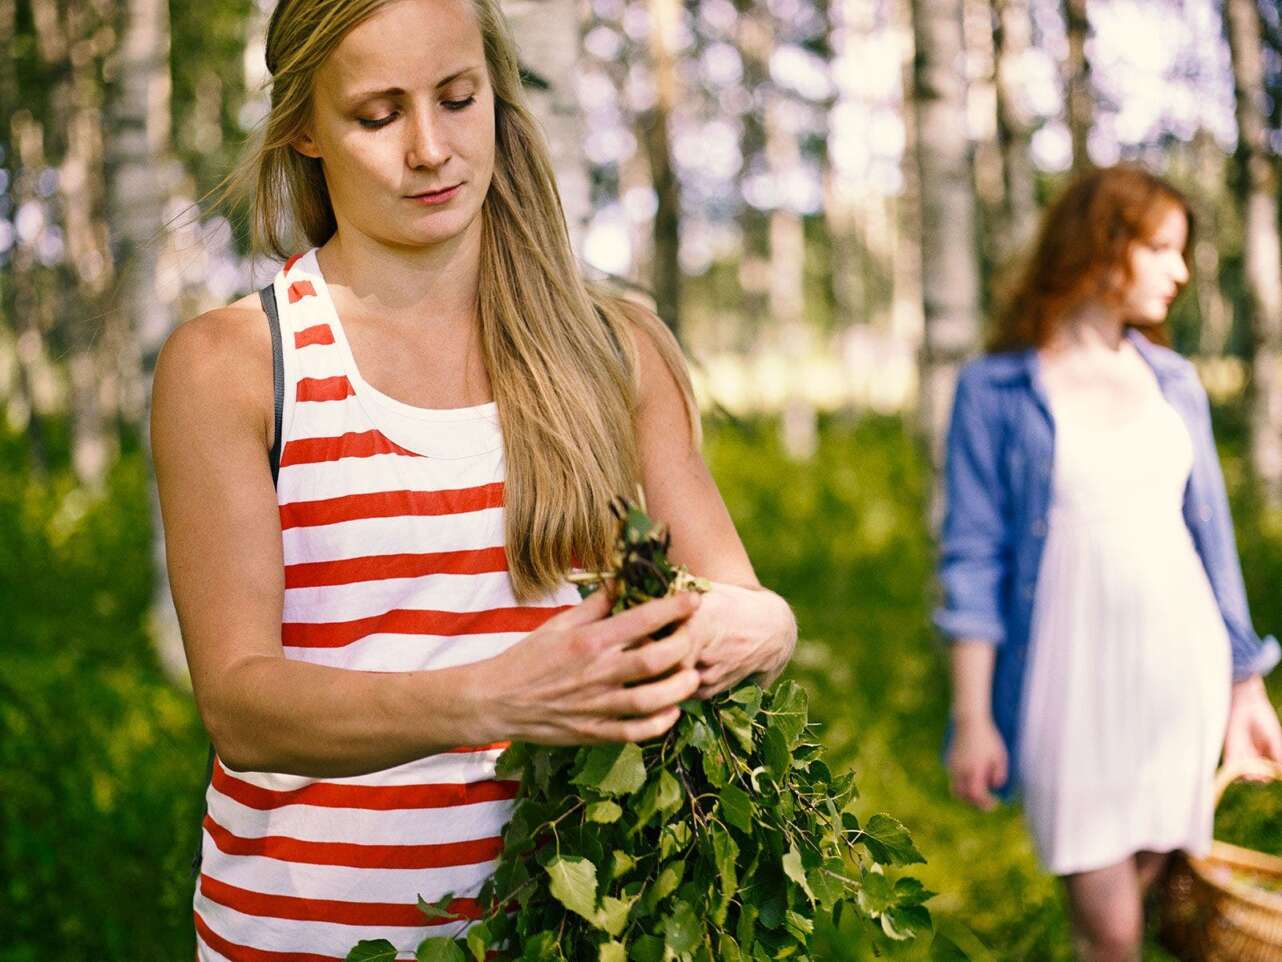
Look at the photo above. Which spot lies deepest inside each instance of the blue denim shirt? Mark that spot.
(1001, 446)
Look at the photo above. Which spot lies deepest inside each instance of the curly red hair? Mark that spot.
(1084, 241)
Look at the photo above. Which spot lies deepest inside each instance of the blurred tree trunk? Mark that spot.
(1077, 82)
(547, 33)
(950, 272)
(93, 332)
(142, 177)
(1012, 40)
(1209, 175)
(787, 278)
(755, 41)
(978, 28)
(907, 314)
(1263, 252)
(655, 125)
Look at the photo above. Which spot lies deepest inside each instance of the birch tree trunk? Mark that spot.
(547, 33)
(950, 271)
(142, 176)
(655, 125)
(1077, 82)
(1263, 252)
(755, 41)
(1012, 41)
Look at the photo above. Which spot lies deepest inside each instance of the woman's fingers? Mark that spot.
(650, 659)
(652, 697)
(644, 620)
(592, 608)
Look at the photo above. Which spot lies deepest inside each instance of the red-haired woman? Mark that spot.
(1104, 654)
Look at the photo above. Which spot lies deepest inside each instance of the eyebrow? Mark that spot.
(400, 92)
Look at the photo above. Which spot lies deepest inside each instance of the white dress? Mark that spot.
(1127, 694)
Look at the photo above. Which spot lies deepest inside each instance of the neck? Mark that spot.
(1092, 324)
(434, 285)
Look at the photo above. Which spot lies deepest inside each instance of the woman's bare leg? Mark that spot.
(1149, 867)
(1108, 918)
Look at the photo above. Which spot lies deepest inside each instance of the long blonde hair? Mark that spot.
(561, 356)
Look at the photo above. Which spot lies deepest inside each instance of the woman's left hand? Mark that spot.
(1253, 730)
(739, 632)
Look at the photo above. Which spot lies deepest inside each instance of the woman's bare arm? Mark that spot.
(742, 628)
(570, 681)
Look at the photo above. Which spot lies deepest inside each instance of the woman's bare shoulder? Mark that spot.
(218, 361)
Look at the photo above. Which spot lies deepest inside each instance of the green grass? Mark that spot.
(101, 761)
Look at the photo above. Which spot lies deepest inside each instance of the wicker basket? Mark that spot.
(1211, 914)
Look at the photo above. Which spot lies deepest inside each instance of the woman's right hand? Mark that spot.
(585, 677)
(977, 762)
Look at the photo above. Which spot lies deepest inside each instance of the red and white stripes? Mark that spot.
(392, 530)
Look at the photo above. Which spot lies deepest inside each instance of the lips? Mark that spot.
(434, 193)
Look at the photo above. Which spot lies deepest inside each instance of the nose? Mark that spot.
(1180, 269)
(428, 146)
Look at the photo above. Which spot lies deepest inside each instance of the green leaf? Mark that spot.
(746, 930)
(793, 868)
(788, 710)
(799, 926)
(478, 941)
(372, 950)
(437, 911)
(647, 948)
(725, 852)
(439, 949)
(613, 915)
(888, 842)
(662, 795)
(736, 808)
(910, 891)
(749, 696)
(603, 813)
(512, 762)
(738, 724)
(621, 863)
(612, 769)
(681, 929)
(612, 952)
(574, 885)
(665, 884)
(774, 749)
(905, 922)
(876, 894)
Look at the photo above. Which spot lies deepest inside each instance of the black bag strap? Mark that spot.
(267, 296)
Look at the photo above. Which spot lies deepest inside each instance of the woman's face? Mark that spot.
(1158, 270)
(403, 123)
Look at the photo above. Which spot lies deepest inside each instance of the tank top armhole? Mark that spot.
(267, 296)
(284, 367)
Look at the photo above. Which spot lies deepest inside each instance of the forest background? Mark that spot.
(822, 197)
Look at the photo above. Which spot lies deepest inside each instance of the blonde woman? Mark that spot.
(369, 574)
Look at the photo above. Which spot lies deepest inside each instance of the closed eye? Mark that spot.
(459, 104)
(377, 123)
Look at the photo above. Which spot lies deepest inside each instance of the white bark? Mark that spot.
(142, 177)
(950, 269)
(547, 35)
(1263, 251)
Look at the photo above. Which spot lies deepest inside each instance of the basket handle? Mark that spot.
(1260, 768)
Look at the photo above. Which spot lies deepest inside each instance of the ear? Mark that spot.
(306, 146)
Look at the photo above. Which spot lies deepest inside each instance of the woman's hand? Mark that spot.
(1253, 729)
(738, 632)
(585, 677)
(977, 762)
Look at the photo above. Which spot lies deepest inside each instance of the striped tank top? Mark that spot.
(392, 525)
